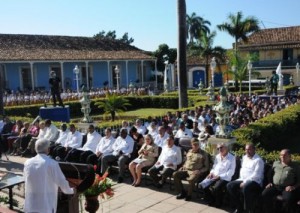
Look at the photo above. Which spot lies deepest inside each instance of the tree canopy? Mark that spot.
(112, 35)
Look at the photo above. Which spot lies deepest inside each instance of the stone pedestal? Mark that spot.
(213, 142)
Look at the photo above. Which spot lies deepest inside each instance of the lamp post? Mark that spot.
(117, 71)
(213, 67)
(297, 69)
(76, 72)
(1, 90)
(227, 66)
(249, 66)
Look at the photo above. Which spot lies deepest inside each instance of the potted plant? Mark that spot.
(101, 187)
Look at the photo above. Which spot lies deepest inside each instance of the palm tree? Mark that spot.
(181, 57)
(1, 90)
(196, 26)
(205, 49)
(241, 71)
(113, 104)
(239, 28)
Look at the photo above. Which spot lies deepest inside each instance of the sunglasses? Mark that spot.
(221, 147)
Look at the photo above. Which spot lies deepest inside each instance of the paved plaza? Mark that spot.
(127, 198)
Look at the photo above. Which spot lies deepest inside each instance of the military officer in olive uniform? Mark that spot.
(196, 164)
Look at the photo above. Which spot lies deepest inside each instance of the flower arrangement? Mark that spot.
(101, 187)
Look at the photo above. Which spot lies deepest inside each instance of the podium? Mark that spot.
(81, 176)
(55, 113)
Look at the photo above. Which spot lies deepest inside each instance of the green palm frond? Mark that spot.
(113, 104)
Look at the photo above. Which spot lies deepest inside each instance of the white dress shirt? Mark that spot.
(170, 156)
(186, 133)
(252, 169)
(74, 140)
(105, 145)
(161, 141)
(51, 133)
(141, 129)
(224, 168)
(152, 132)
(42, 133)
(42, 177)
(124, 145)
(91, 142)
(62, 137)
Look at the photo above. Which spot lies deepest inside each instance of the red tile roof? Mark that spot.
(16, 47)
(273, 38)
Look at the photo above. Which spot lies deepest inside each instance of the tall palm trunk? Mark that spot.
(1, 90)
(236, 66)
(181, 56)
(206, 72)
(113, 115)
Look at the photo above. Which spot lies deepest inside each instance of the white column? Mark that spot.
(297, 70)
(32, 76)
(249, 82)
(249, 66)
(108, 74)
(155, 70)
(142, 69)
(172, 69)
(127, 81)
(62, 76)
(87, 74)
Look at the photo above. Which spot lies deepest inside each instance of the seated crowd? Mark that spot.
(172, 148)
(13, 98)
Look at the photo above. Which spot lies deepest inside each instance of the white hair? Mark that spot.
(42, 145)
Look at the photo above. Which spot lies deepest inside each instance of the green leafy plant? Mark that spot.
(101, 187)
(113, 104)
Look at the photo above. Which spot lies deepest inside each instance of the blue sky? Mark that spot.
(149, 22)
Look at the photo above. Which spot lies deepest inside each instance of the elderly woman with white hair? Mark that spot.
(42, 177)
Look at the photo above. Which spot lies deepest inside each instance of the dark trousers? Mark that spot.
(62, 152)
(92, 159)
(56, 95)
(121, 159)
(74, 155)
(273, 89)
(243, 198)
(215, 192)
(154, 171)
(184, 175)
(78, 156)
(269, 195)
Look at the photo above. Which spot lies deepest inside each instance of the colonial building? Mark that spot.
(274, 46)
(26, 62)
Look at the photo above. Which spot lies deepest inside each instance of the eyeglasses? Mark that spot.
(219, 148)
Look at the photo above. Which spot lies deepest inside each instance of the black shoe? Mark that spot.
(180, 196)
(25, 153)
(120, 180)
(188, 198)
